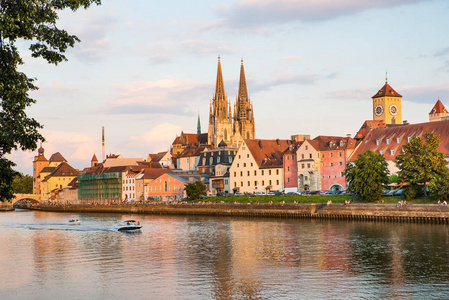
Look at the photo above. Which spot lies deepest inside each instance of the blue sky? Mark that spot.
(144, 69)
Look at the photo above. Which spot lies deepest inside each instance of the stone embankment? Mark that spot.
(427, 213)
(6, 206)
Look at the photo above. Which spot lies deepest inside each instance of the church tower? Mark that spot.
(39, 163)
(387, 105)
(220, 115)
(244, 126)
(438, 112)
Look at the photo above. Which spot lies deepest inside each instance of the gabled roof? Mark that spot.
(267, 153)
(190, 139)
(367, 126)
(151, 164)
(63, 169)
(376, 140)
(114, 162)
(192, 151)
(94, 158)
(57, 157)
(48, 169)
(438, 108)
(386, 90)
(159, 156)
(40, 158)
(153, 173)
(332, 143)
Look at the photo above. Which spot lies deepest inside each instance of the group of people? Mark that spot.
(442, 203)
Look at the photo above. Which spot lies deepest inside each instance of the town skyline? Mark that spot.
(145, 75)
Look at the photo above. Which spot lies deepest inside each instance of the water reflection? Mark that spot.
(219, 258)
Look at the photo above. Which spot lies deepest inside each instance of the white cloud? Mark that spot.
(251, 14)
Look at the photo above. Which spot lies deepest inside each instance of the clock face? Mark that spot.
(393, 109)
(378, 110)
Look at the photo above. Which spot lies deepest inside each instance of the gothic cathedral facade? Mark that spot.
(223, 126)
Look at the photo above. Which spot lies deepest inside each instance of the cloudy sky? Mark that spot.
(145, 69)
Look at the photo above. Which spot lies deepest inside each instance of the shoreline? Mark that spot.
(416, 213)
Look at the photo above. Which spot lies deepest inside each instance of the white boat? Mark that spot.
(74, 222)
(129, 225)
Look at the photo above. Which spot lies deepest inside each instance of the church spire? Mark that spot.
(243, 92)
(219, 86)
(198, 127)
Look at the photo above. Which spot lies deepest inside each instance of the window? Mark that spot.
(241, 173)
(237, 165)
(288, 157)
(235, 184)
(255, 183)
(342, 174)
(398, 140)
(248, 173)
(249, 183)
(409, 139)
(235, 174)
(307, 147)
(288, 168)
(381, 152)
(270, 182)
(392, 152)
(262, 172)
(239, 156)
(332, 154)
(277, 171)
(322, 155)
(241, 183)
(269, 172)
(388, 141)
(341, 144)
(302, 156)
(263, 182)
(340, 154)
(377, 142)
(277, 182)
(308, 166)
(165, 186)
(332, 164)
(340, 163)
(293, 157)
(310, 155)
(244, 165)
(251, 164)
(302, 166)
(288, 179)
(306, 178)
(255, 173)
(323, 164)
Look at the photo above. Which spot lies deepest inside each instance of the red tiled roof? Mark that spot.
(332, 143)
(438, 108)
(367, 126)
(40, 158)
(158, 156)
(57, 157)
(376, 140)
(154, 173)
(94, 158)
(192, 151)
(386, 90)
(268, 153)
(191, 139)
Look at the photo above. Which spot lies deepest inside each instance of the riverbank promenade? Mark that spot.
(421, 213)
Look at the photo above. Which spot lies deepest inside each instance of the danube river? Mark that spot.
(179, 257)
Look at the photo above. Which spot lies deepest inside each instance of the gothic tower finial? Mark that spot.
(198, 127)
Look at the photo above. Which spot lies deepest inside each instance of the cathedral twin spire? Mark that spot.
(224, 126)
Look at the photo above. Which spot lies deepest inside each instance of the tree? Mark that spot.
(366, 175)
(419, 162)
(33, 21)
(194, 190)
(439, 187)
(22, 184)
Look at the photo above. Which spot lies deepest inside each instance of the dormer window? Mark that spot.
(392, 152)
(398, 140)
(341, 143)
(388, 141)
(409, 139)
(381, 152)
(377, 142)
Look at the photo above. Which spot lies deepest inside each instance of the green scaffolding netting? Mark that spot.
(100, 186)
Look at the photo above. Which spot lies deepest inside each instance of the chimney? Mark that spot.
(348, 135)
(405, 122)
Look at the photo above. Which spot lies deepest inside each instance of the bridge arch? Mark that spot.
(33, 198)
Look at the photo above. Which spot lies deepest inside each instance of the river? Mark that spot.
(185, 257)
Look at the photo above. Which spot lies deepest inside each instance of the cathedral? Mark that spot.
(223, 126)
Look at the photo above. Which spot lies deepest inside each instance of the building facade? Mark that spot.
(223, 126)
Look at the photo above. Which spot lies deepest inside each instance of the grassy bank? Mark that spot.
(312, 199)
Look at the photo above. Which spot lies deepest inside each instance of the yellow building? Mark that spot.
(58, 179)
(387, 105)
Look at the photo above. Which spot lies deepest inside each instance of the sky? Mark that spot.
(145, 69)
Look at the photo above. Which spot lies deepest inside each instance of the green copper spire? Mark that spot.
(198, 127)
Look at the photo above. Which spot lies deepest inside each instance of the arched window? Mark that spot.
(225, 134)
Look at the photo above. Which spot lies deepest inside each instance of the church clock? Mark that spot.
(393, 109)
(378, 110)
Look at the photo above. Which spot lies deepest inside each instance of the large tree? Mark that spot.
(22, 184)
(366, 175)
(34, 21)
(194, 190)
(420, 161)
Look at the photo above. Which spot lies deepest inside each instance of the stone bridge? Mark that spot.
(36, 198)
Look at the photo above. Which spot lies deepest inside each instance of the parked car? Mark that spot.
(237, 194)
(259, 194)
(220, 194)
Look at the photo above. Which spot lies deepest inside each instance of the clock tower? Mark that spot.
(387, 105)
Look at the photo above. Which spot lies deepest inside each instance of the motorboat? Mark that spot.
(129, 225)
(74, 222)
